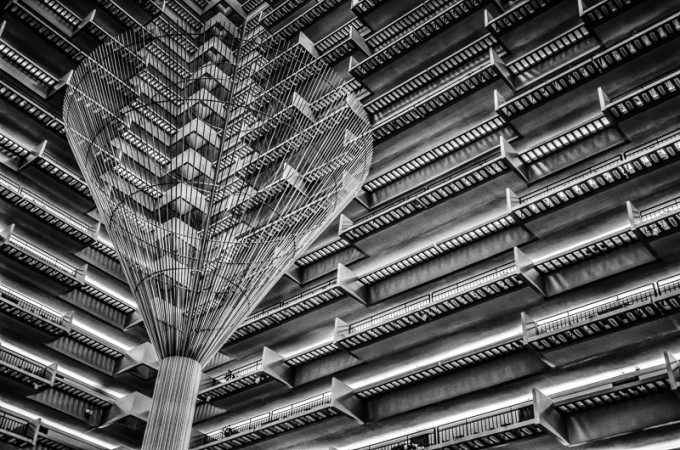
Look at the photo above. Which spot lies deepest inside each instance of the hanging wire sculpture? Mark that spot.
(215, 159)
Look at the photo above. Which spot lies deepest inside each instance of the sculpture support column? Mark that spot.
(174, 402)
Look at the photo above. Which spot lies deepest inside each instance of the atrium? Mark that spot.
(508, 275)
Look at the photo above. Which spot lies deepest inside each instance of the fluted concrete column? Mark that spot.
(174, 402)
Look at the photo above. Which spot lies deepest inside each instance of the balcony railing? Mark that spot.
(474, 76)
(24, 103)
(52, 320)
(42, 256)
(361, 7)
(287, 309)
(430, 306)
(473, 173)
(412, 19)
(550, 49)
(427, 372)
(601, 10)
(476, 133)
(27, 67)
(417, 36)
(281, 11)
(590, 68)
(611, 313)
(641, 99)
(607, 173)
(571, 137)
(17, 361)
(238, 373)
(517, 14)
(261, 421)
(592, 310)
(493, 428)
(307, 18)
(455, 290)
(586, 250)
(661, 210)
(17, 430)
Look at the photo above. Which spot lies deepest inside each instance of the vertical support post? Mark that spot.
(174, 403)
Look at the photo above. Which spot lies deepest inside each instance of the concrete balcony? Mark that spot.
(320, 407)
(25, 370)
(17, 430)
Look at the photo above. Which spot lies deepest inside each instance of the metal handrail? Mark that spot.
(14, 424)
(431, 298)
(459, 429)
(559, 185)
(31, 306)
(272, 416)
(476, 280)
(483, 423)
(600, 307)
(22, 363)
(241, 372)
(660, 210)
(42, 256)
(55, 211)
(281, 305)
(595, 309)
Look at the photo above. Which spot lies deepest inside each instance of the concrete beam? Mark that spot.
(349, 283)
(131, 411)
(36, 153)
(6, 233)
(141, 360)
(340, 330)
(274, 365)
(512, 158)
(673, 369)
(344, 400)
(528, 273)
(549, 417)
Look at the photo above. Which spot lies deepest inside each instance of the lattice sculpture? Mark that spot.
(215, 159)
